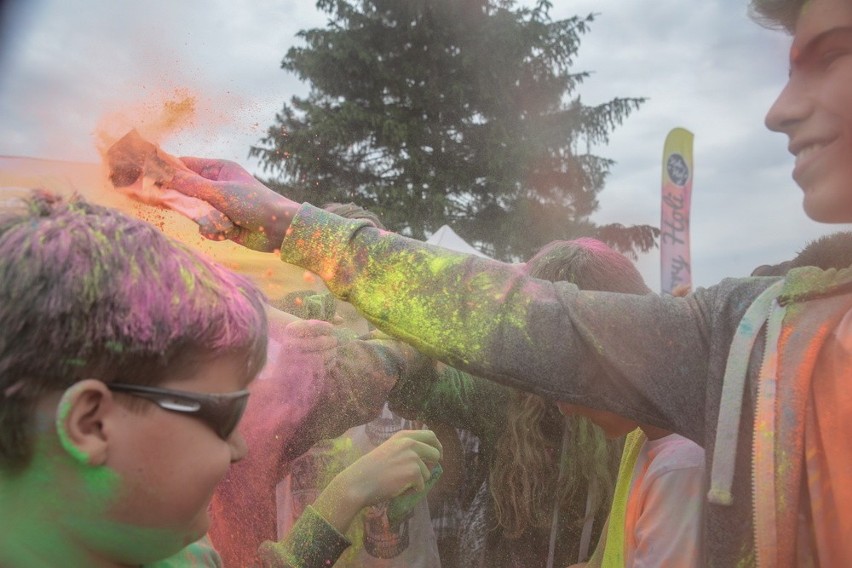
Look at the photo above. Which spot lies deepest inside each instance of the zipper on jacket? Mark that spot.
(763, 444)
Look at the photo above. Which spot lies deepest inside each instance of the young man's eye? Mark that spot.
(830, 56)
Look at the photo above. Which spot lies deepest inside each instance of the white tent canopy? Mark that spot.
(447, 238)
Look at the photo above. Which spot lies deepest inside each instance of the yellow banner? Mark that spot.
(675, 263)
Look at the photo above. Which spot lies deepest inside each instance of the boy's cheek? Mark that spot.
(168, 480)
(140, 515)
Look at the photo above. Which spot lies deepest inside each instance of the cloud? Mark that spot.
(73, 62)
(702, 65)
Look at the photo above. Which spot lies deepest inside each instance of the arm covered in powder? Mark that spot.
(358, 375)
(644, 357)
(311, 543)
(447, 395)
(655, 360)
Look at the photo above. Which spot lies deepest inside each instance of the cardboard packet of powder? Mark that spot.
(139, 169)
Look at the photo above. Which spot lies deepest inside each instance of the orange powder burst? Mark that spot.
(177, 112)
(155, 119)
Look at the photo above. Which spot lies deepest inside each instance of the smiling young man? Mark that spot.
(815, 108)
(751, 369)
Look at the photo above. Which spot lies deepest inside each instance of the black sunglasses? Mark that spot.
(222, 412)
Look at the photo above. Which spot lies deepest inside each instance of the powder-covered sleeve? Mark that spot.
(312, 543)
(645, 357)
(354, 386)
(453, 397)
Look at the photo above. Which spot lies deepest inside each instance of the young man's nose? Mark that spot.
(238, 446)
(791, 107)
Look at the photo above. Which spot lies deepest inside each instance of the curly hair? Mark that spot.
(777, 14)
(524, 479)
(88, 292)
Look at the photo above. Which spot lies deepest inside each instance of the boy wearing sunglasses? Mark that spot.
(124, 365)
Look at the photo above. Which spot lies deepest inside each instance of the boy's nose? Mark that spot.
(238, 446)
(792, 106)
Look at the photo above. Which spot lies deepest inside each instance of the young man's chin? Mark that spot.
(820, 207)
(827, 190)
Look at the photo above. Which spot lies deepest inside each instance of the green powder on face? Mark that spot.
(58, 511)
(45, 502)
(61, 418)
(131, 544)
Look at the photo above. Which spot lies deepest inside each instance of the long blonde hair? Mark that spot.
(524, 479)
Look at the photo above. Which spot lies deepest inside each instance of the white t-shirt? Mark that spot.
(375, 544)
(663, 517)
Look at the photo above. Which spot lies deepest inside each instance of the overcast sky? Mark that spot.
(68, 64)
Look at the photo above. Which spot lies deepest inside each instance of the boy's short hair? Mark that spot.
(88, 292)
(588, 263)
(777, 14)
(827, 251)
(779, 269)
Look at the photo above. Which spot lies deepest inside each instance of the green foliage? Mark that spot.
(461, 112)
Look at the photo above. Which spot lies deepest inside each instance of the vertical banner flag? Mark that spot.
(675, 267)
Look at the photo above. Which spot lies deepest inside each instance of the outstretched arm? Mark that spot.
(643, 357)
(260, 216)
(447, 395)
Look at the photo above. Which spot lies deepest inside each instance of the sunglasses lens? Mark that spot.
(231, 416)
(221, 412)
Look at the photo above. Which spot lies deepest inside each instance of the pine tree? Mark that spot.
(459, 112)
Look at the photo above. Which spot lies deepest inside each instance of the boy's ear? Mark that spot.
(80, 421)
